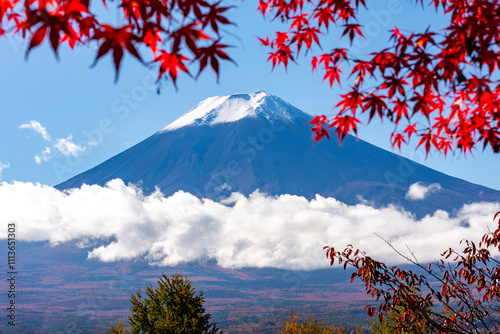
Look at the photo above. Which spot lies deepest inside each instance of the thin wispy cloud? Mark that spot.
(119, 222)
(65, 146)
(44, 156)
(418, 191)
(36, 127)
(2, 167)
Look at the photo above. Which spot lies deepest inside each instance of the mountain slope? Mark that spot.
(255, 141)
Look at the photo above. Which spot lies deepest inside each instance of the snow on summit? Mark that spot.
(232, 108)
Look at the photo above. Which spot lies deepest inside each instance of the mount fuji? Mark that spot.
(244, 142)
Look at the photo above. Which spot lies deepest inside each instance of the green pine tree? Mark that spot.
(120, 328)
(173, 307)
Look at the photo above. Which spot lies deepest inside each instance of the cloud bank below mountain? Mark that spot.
(284, 231)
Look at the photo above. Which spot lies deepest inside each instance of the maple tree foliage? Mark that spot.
(460, 293)
(175, 33)
(439, 86)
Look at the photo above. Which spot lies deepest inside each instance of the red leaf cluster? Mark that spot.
(467, 288)
(177, 32)
(449, 78)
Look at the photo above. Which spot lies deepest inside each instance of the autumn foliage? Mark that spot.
(441, 86)
(460, 293)
(173, 34)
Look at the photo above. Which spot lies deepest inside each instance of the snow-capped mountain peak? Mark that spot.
(232, 108)
(243, 142)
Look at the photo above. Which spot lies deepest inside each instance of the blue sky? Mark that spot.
(79, 105)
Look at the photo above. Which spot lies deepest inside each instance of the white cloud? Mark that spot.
(66, 146)
(258, 231)
(418, 191)
(37, 127)
(44, 156)
(2, 167)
